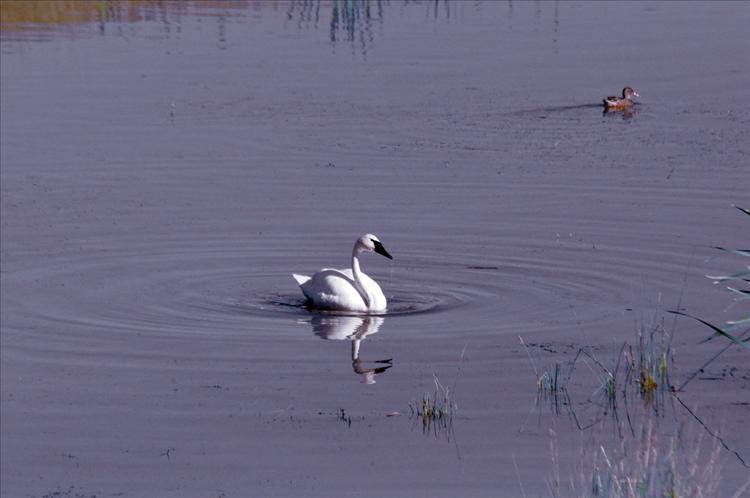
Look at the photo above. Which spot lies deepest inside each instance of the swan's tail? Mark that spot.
(301, 279)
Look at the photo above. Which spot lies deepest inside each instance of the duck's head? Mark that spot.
(369, 242)
(629, 93)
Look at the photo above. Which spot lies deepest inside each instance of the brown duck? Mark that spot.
(621, 103)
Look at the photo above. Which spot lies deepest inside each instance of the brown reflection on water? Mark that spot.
(347, 21)
(49, 15)
(624, 113)
(33, 14)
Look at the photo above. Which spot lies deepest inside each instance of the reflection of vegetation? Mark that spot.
(38, 12)
(352, 16)
(22, 13)
(47, 15)
(350, 20)
(347, 20)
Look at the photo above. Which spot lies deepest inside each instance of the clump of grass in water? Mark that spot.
(639, 371)
(551, 384)
(649, 364)
(551, 388)
(435, 409)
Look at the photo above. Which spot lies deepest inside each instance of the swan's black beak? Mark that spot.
(381, 250)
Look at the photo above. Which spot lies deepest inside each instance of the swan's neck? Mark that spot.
(357, 272)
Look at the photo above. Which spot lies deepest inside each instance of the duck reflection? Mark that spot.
(355, 329)
(625, 113)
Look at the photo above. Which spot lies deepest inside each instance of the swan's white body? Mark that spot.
(346, 290)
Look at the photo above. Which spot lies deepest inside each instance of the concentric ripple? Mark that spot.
(162, 288)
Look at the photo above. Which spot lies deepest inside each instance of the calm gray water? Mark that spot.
(167, 166)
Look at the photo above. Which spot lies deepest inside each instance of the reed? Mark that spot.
(640, 373)
(435, 409)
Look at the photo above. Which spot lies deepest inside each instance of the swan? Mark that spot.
(346, 290)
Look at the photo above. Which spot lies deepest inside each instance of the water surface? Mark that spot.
(167, 166)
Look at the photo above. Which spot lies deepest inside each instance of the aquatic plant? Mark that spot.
(551, 385)
(639, 371)
(650, 363)
(436, 409)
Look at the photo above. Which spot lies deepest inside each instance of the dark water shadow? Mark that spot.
(543, 111)
(563, 108)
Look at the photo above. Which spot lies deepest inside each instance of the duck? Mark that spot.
(350, 289)
(626, 101)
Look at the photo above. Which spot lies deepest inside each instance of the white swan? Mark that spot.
(346, 290)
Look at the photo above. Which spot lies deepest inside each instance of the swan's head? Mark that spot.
(369, 242)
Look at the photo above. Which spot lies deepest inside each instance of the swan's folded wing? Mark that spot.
(331, 289)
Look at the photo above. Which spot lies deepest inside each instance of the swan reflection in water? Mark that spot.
(355, 329)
